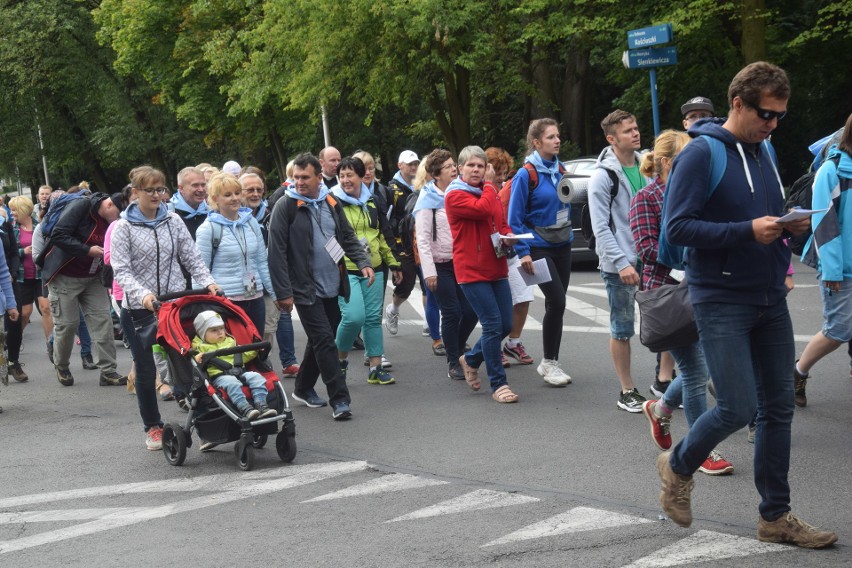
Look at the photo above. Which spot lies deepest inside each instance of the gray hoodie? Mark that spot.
(614, 243)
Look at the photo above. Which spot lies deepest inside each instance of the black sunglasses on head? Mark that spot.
(767, 115)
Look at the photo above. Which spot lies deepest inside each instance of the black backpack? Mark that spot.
(586, 216)
(801, 195)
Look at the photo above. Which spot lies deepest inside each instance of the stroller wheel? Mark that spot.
(174, 444)
(286, 445)
(244, 452)
(259, 440)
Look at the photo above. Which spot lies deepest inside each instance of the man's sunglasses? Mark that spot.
(767, 115)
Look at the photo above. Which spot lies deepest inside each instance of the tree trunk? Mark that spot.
(278, 153)
(754, 30)
(574, 103)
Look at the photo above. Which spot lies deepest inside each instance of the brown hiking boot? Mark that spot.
(675, 491)
(17, 372)
(791, 529)
(799, 384)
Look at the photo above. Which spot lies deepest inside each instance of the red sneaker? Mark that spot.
(518, 352)
(716, 465)
(290, 372)
(659, 426)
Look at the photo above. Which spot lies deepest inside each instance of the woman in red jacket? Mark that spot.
(479, 257)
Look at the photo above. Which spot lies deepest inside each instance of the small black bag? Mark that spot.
(666, 318)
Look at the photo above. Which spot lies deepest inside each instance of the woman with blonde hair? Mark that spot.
(690, 386)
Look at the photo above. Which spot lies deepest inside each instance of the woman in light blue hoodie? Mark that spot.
(832, 240)
(231, 244)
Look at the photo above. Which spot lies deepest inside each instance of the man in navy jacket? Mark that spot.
(736, 265)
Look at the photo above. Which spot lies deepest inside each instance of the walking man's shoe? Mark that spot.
(64, 376)
(675, 491)
(791, 529)
(17, 372)
(112, 379)
(88, 363)
(309, 398)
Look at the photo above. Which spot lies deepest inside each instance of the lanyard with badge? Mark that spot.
(332, 247)
(249, 277)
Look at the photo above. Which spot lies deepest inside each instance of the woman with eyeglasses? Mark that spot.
(148, 246)
(435, 247)
(480, 247)
(231, 244)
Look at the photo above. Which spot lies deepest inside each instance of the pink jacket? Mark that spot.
(433, 246)
(117, 292)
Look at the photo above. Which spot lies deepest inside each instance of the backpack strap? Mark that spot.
(215, 240)
(718, 162)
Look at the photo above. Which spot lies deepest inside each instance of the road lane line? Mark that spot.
(473, 501)
(577, 519)
(384, 484)
(705, 546)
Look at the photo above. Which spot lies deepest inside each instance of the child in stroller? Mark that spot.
(213, 412)
(223, 371)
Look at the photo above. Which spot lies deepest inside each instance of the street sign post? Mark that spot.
(640, 55)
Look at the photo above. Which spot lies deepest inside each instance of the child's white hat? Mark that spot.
(206, 320)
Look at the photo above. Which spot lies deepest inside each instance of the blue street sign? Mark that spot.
(643, 58)
(646, 37)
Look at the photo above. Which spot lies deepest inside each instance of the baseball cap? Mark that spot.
(697, 103)
(407, 157)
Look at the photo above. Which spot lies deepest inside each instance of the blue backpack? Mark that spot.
(54, 212)
(674, 256)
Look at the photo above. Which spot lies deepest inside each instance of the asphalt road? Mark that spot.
(427, 473)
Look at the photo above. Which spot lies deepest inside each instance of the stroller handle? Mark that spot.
(239, 349)
(182, 293)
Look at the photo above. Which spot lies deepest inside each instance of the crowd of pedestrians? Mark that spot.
(331, 238)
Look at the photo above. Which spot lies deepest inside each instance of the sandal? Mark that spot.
(505, 395)
(471, 375)
(165, 392)
(439, 350)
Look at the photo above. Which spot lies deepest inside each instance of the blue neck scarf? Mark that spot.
(550, 167)
(459, 183)
(261, 210)
(181, 205)
(398, 177)
(361, 201)
(135, 216)
(323, 192)
(429, 198)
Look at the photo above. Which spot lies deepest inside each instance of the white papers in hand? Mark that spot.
(797, 214)
(521, 237)
(542, 273)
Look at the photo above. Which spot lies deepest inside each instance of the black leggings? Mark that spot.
(14, 329)
(559, 264)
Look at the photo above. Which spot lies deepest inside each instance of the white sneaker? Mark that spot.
(391, 320)
(552, 373)
(386, 364)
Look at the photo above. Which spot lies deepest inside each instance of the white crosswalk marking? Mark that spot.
(66, 515)
(473, 501)
(577, 519)
(384, 484)
(293, 477)
(703, 546)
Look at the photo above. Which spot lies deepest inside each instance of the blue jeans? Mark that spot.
(690, 386)
(492, 302)
(433, 314)
(621, 306)
(286, 338)
(362, 311)
(750, 354)
(458, 320)
(232, 385)
(85, 338)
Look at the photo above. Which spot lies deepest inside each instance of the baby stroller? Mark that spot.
(211, 414)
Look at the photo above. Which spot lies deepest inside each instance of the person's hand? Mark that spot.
(797, 227)
(215, 290)
(148, 302)
(766, 230)
(432, 283)
(198, 358)
(509, 242)
(833, 285)
(527, 264)
(629, 276)
(367, 272)
(13, 314)
(396, 276)
(96, 251)
(28, 250)
(788, 283)
(490, 174)
(285, 305)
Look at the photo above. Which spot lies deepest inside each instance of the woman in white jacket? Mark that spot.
(435, 247)
(148, 247)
